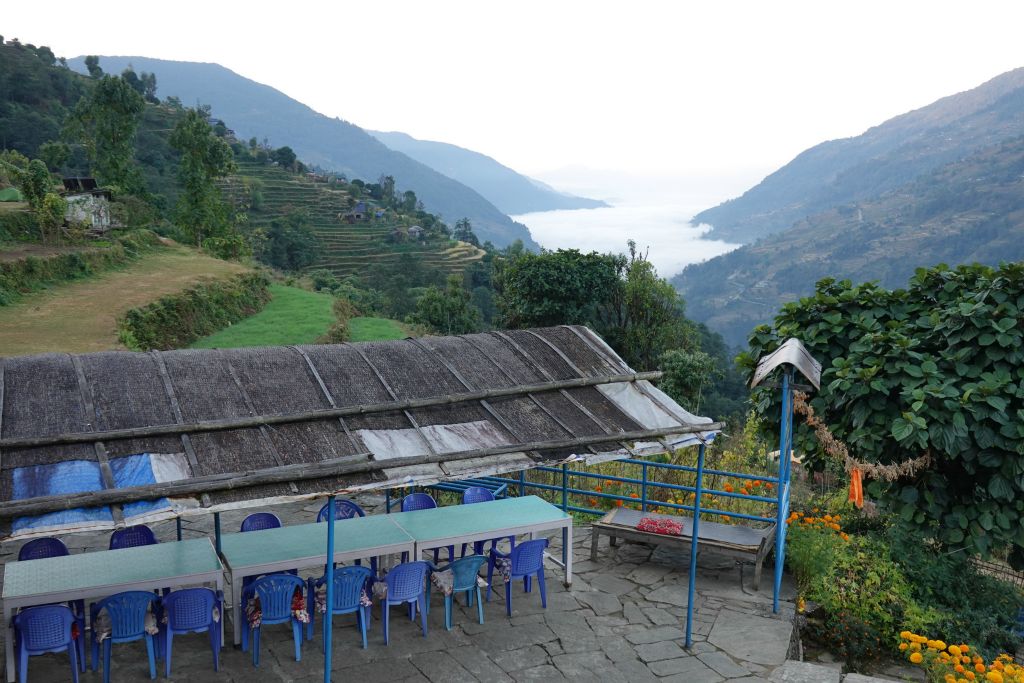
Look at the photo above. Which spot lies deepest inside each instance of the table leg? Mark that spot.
(236, 607)
(220, 588)
(567, 553)
(9, 642)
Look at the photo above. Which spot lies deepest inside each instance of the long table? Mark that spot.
(305, 545)
(98, 574)
(456, 524)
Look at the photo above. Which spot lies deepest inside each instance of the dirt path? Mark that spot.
(82, 316)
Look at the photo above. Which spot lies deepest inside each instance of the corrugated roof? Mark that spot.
(217, 429)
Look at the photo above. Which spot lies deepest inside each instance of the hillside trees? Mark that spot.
(201, 212)
(288, 244)
(936, 369)
(92, 65)
(106, 121)
(449, 310)
(36, 185)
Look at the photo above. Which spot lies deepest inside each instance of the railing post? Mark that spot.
(216, 531)
(177, 524)
(694, 542)
(785, 442)
(643, 488)
(522, 483)
(565, 487)
(329, 578)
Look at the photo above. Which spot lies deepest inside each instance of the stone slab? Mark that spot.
(805, 672)
(751, 638)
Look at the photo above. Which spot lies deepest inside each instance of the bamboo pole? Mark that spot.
(348, 465)
(311, 415)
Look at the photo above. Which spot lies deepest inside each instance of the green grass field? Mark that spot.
(375, 329)
(296, 316)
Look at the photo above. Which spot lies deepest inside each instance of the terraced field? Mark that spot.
(347, 249)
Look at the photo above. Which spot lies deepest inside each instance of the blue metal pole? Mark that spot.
(329, 578)
(643, 488)
(177, 521)
(694, 542)
(216, 531)
(522, 482)
(781, 513)
(565, 487)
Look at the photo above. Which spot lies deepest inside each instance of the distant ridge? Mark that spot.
(838, 172)
(508, 190)
(256, 110)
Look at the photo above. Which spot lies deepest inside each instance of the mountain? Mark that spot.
(256, 110)
(969, 210)
(840, 172)
(509, 191)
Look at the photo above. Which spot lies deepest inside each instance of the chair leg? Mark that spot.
(151, 653)
(508, 597)
(22, 664)
(363, 615)
(297, 635)
(94, 658)
(256, 646)
(527, 584)
(246, 629)
(543, 589)
(448, 612)
(167, 651)
(80, 645)
(384, 616)
(422, 599)
(214, 632)
(479, 606)
(490, 576)
(75, 661)
(107, 647)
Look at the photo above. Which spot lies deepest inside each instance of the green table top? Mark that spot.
(456, 521)
(303, 541)
(85, 571)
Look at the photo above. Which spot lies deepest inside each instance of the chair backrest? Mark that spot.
(275, 592)
(132, 536)
(349, 583)
(39, 548)
(465, 571)
(46, 627)
(528, 556)
(189, 609)
(406, 580)
(261, 520)
(127, 612)
(418, 501)
(476, 494)
(343, 509)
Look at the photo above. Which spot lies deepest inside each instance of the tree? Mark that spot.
(54, 154)
(936, 369)
(387, 188)
(290, 243)
(687, 375)
(464, 232)
(447, 311)
(92, 64)
(50, 215)
(106, 121)
(201, 213)
(284, 156)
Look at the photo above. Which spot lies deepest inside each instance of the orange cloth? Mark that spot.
(856, 488)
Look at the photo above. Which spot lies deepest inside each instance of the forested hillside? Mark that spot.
(968, 211)
(256, 110)
(888, 156)
(509, 191)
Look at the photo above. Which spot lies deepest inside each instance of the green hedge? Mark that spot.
(33, 273)
(177, 320)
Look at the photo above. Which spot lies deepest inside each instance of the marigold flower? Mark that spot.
(634, 495)
(914, 647)
(994, 677)
(964, 649)
(598, 489)
(618, 503)
(979, 667)
(969, 675)
(954, 650)
(845, 536)
(727, 488)
(905, 635)
(834, 527)
(959, 668)
(903, 646)
(916, 657)
(939, 645)
(757, 482)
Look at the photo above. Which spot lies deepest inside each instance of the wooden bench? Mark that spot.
(740, 542)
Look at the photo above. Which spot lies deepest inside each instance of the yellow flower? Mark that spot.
(994, 677)
(915, 647)
(916, 657)
(939, 645)
(905, 635)
(954, 650)
(903, 646)
(979, 667)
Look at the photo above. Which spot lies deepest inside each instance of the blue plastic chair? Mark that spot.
(132, 537)
(407, 584)
(465, 572)
(39, 548)
(127, 612)
(478, 494)
(275, 593)
(527, 562)
(191, 611)
(45, 629)
(346, 509)
(349, 584)
(424, 501)
(258, 521)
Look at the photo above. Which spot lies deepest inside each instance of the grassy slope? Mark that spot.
(296, 316)
(82, 316)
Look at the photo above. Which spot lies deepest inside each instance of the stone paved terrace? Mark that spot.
(622, 620)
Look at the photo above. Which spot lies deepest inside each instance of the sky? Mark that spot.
(717, 91)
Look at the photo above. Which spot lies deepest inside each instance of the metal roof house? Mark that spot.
(106, 439)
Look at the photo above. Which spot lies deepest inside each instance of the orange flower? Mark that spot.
(757, 482)
(634, 495)
(592, 501)
(618, 503)
(598, 489)
(609, 483)
(727, 488)
(768, 485)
